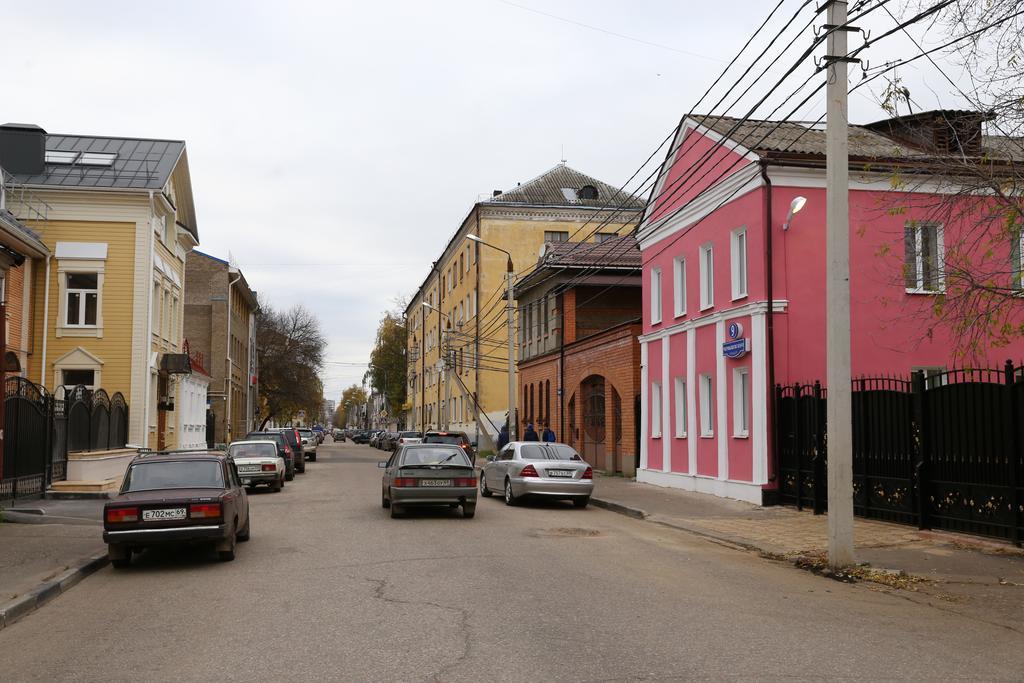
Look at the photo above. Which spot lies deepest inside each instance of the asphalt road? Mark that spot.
(331, 588)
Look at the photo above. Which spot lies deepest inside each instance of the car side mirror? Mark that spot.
(382, 464)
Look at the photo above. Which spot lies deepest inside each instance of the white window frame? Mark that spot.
(655, 296)
(706, 405)
(738, 250)
(679, 285)
(74, 258)
(741, 402)
(680, 407)
(940, 257)
(707, 276)
(931, 372)
(656, 410)
(82, 296)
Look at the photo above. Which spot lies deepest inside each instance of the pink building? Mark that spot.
(734, 299)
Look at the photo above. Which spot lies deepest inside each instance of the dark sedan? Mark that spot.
(177, 498)
(425, 475)
(291, 457)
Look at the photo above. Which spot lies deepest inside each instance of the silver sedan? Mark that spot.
(422, 475)
(531, 468)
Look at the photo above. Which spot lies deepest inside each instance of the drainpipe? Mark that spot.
(46, 321)
(149, 317)
(561, 367)
(227, 360)
(769, 279)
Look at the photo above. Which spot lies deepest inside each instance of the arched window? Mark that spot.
(11, 362)
(547, 401)
(587, 192)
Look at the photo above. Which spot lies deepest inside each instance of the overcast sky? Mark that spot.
(335, 147)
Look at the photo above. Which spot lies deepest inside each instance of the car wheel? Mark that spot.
(581, 502)
(226, 549)
(312, 458)
(122, 563)
(384, 502)
(510, 498)
(277, 485)
(243, 535)
(396, 511)
(120, 557)
(484, 491)
(301, 470)
(289, 476)
(468, 511)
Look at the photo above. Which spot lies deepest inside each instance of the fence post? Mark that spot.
(1014, 453)
(819, 448)
(799, 447)
(921, 451)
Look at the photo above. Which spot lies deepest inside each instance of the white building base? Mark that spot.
(723, 488)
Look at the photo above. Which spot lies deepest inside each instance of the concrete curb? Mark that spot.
(22, 517)
(635, 513)
(34, 599)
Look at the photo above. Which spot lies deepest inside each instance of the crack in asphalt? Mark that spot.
(462, 629)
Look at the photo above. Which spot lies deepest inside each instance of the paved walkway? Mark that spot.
(976, 576)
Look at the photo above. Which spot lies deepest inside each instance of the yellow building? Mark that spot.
(108, 302)
(464, 319)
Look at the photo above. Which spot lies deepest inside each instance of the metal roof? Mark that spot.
(21, 233)
(561, 186)
(138, 164)
(614, 252)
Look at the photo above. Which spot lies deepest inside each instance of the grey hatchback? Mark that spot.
(420, 475)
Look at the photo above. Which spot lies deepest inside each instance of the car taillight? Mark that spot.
(122, 515)
(204, 510)
(268, 468)
(465, 481)
(588, 473)
(529, 471)
(405, 482)
(465, 446)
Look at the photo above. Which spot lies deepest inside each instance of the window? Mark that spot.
(544, 313)
(706, 424)
(707, 277)
(604, 236)
(738, 242)
(466, 261)
(923, 257)
(97, 159)
(680, 399)
(54, 156)
(174, 323)
(656, 296)
(82, 298)
(72, 378)
(587, 192)
(741, 402)
(556, 236)
(934, 375)
(1017, 259)
(679, 285)
(656, 409)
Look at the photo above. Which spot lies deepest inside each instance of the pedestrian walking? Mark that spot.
(503, 437)
(530, 434)
(548, 435)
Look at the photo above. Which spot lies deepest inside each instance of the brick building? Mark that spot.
(220, 326)
(579, 372)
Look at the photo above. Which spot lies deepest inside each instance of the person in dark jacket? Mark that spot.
(503, 437)
(548, 434)
(530, 434)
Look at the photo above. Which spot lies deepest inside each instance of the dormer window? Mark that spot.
(54, 156)
(97, 159)
(587, 192)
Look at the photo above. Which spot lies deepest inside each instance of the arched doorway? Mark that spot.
(592, 389)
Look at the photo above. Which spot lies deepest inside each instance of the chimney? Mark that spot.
(495, 193)
(22, 148)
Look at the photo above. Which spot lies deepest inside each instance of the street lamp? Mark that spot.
(794, 209)
(509, 293)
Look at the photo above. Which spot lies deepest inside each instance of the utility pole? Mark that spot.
(837, 315)
(446, 348)
(510, 311)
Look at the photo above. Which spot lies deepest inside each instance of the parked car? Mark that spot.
(177, 498)
(375, 439)
(319, 432)
(428, 475)
(294, 439)
(258, 463)
(530, 468)
(284, 449)
(309, 443)
(361, 436)
(460, 439)
(407, 439)
(339, 435)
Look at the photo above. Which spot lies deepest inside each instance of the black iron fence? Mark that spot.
(41, 428)
(940, 451)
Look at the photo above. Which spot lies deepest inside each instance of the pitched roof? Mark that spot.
(138, 164)
(617, 252)
(562, 186)
(21, 232)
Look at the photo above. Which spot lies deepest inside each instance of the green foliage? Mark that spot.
(387, 372)
(290, 347)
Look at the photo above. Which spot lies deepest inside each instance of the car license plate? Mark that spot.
(248, 468)
(435, 482)
(565, 474)
(157, 515)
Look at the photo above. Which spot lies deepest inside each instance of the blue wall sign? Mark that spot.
(736, 348)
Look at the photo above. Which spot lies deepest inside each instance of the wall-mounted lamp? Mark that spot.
(794, 208)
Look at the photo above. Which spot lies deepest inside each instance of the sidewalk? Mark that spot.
(979, 577)
(47, 547)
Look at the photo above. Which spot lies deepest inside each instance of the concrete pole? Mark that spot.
(510, 293)
(837, 322)
(446, 348)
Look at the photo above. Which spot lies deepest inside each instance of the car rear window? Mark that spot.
(434, 456)
(410, 435)
(539, 452)
(252, 450)
(277, 437)
(446, 438)
(175, 474)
